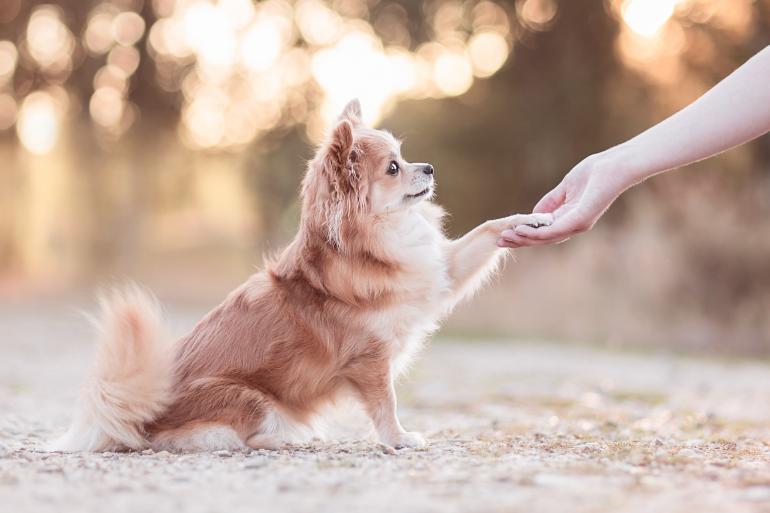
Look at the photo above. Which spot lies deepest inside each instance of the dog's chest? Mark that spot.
(422, 283)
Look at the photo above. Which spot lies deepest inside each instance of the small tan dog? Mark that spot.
(342, 309)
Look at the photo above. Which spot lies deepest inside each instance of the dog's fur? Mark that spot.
(343, 308)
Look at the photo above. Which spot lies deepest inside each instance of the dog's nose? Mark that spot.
(427, 169)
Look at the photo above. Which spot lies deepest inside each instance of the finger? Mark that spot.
(511, 237)
(560, 229)
(503, 243)
(551, 201)
(516, 241)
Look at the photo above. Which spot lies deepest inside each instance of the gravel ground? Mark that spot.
(512, 426)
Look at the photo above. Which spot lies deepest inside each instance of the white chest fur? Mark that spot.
(416, 242)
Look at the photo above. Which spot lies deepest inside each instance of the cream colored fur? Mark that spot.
(130, 382)
(342, 311)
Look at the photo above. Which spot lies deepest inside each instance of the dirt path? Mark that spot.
(513, 427)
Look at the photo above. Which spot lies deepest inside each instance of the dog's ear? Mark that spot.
(343, 180)
(352, 113)
(338, 152)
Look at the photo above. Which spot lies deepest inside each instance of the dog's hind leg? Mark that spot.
(264, 441)
(278, 428)
(198, 437)
(223, 413)
(211, 414)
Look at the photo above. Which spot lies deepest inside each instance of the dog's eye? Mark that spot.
(393, 168)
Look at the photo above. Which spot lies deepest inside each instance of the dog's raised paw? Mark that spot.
(538, 220)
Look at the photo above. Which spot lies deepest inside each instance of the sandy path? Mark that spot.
(513, 427)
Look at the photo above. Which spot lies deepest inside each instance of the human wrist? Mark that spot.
(624, 166)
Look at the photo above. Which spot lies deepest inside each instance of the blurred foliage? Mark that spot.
(154, 138)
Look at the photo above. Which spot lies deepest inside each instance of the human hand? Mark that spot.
(741, 104)
(497, 226)
(583, 195)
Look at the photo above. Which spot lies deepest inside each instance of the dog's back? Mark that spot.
(367, 277)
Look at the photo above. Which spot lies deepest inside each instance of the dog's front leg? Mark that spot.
(475, 255)
(374, 384)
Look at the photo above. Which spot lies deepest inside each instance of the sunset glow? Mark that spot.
(647, 17)
(250, 64)
(239, 69)
(38, 124)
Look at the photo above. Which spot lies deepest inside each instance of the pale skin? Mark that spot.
(733, 112)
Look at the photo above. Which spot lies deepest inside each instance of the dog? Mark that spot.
(342, 310)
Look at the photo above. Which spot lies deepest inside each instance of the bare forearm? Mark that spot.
(734, 111)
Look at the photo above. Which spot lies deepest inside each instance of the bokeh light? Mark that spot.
(9, 57)
(488, 52)
(537, 14)
(453, 73)
(656, 39)
(242, 69)
(647, 17)
(120, 121)
(106, 107)
(98, 37)
(127, 28)
(7, 111)
(49, 42)
(125, 58)
(239, 69)
(38, 123)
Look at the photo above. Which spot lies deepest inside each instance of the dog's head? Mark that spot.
(358, 174)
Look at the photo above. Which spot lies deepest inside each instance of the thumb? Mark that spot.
(551, 201)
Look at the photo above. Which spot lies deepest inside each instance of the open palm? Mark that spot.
(576, 204)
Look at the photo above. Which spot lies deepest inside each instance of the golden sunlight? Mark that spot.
(7, 111)
(38, 124)
(353, 68)
(127, 28)
(241, 67)
(537, 14)
(488, 51)
(453, 73)
(262, 44)
(98, 35)
(647, 17)
(49, 41)
(106, 107)
(9, 57)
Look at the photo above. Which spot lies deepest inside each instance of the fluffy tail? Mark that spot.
(130, 383)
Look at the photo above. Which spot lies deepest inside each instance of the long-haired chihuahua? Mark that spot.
(342, 310)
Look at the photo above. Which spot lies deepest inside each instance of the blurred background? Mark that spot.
(163, 141)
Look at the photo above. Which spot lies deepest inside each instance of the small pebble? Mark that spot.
(386, 449)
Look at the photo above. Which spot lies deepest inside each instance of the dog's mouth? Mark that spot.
(420, 194)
